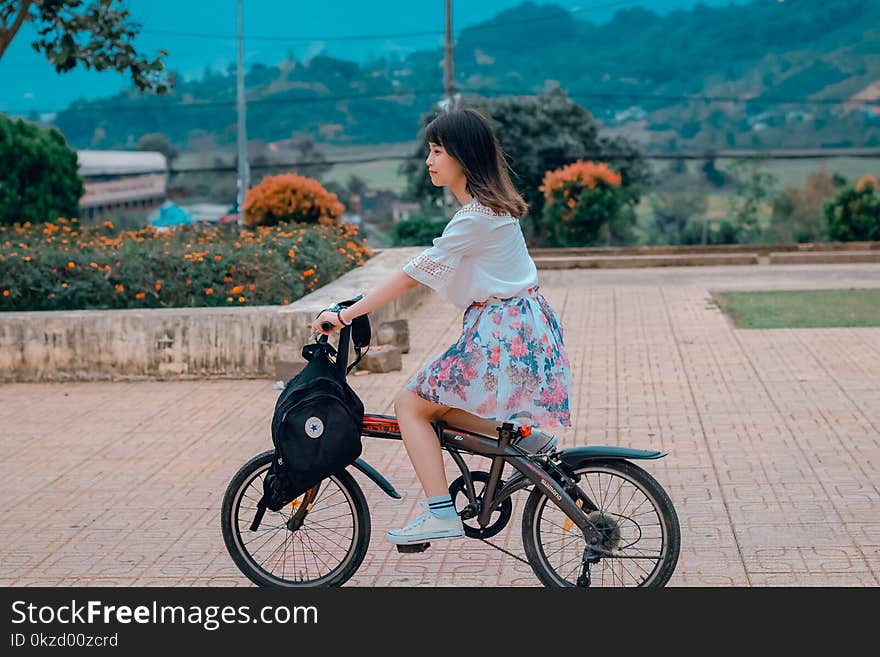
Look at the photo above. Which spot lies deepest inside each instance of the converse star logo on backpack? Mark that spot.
(314, 427)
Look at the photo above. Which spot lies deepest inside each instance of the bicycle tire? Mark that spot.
(639, 479)
(249, 478)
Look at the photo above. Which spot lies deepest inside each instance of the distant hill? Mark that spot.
(630, 72)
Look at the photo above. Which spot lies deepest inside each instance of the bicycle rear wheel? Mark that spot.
(637, 524)
(322, 545)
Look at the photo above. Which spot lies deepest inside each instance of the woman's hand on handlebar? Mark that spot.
(326, 317)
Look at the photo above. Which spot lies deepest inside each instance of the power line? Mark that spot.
(704, 98)
(798, 154)
(393, 35)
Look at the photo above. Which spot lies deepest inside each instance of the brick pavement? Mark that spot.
(774, 439)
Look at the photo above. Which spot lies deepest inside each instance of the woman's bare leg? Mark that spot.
(468, 421)
(415, 414)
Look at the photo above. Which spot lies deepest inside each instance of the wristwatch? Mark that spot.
(336, 308)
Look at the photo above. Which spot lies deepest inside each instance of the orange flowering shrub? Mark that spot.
(582, 201)
(867, 181)
(587, 174)
(61, 265)
(290, 197)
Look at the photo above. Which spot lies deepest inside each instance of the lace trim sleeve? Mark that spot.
(435, 266)
(433, 273)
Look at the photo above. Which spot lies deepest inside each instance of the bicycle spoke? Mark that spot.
(316, 554)
(342, 515)
(268, 539)
(262, 534)
(275, 551)
(318, 530)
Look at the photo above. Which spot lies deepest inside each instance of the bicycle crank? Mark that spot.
(500, 516)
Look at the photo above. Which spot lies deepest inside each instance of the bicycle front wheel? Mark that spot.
(638, 529)
(319, 539)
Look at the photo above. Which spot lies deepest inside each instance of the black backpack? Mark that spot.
(318, 419)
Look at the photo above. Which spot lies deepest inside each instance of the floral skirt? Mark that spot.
(509, 364)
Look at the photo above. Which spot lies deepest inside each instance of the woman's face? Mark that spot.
(442, 167)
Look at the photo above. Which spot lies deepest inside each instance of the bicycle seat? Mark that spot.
(535, 441)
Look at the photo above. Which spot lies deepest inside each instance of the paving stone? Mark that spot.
(394, 332)
(381, 359)
(773, 441)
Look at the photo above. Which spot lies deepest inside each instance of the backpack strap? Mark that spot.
(261, 511)
(360, 335)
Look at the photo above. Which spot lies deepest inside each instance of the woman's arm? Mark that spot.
(396, 285)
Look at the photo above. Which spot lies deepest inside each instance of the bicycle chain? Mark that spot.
(510, 554)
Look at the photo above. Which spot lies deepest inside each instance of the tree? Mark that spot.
(355, 189)
(798, 212)
(712, 174)
(540, 133)
(40, 174)
(97, 35)
(673, 212)
(308, 159)
(854, 214)
(158, 141)
(754, 188)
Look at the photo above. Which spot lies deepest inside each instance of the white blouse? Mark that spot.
(480, 254)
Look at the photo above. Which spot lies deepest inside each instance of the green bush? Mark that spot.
(416, 231)
(39, 173)
(854, 215)
(62, 266)
(718, 232)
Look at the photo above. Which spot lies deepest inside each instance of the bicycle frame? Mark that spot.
(501, 451)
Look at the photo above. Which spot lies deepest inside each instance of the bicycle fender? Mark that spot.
(377, 478)
(577, 455)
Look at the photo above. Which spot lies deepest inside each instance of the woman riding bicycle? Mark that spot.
(510, 363)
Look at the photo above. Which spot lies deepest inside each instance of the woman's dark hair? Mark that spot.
(467, 136)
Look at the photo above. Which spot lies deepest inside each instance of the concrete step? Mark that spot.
(824, 257)
(631, 261)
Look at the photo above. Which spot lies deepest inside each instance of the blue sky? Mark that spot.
(29, 82)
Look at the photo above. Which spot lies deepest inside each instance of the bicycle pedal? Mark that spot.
(413, 548)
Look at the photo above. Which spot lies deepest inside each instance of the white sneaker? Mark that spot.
(427, 527)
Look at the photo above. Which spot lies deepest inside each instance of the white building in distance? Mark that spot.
(116, 180)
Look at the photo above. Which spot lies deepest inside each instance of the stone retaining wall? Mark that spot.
(250, 342)
(182, 342)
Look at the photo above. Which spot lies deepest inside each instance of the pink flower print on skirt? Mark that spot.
(509, 364)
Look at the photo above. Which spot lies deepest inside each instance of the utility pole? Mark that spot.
(243, 167)
(449, 99)
(448, 63)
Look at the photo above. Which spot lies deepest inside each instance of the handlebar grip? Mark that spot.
(326, 326)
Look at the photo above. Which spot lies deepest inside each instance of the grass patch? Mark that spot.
(801, 308)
